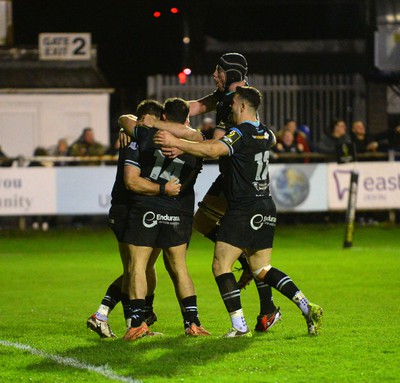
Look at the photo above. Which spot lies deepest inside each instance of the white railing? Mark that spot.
(313, 100)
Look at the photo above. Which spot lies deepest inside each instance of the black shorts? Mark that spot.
(251, 228)
(157, 228)
(216, 188)
(118, 220)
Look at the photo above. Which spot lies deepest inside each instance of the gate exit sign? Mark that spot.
(64, 46)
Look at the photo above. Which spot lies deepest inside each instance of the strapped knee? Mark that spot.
(261, 272)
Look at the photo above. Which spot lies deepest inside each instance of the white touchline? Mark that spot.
(102, 370)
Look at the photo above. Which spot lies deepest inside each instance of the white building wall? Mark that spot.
(31, 120)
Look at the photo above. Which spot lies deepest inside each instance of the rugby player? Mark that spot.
(161, 221)
(98, 322)
(230, 72)
(249, 223)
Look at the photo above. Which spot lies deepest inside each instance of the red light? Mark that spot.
(182, 78)
(157, 14)
(174, 10)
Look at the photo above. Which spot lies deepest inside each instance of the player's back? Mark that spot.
(160, 169)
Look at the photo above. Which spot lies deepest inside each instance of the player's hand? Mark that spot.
(171, 152)
(165, 139)
(148, 120)
(172, 187)
(124, 139)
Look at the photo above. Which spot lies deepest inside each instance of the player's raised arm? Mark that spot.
(127, 122)
(177, 129)
(207, 149)
(204, 105)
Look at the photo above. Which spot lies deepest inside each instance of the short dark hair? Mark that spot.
(334, 123)
(152, 107)
(176, 109)
(250, 94)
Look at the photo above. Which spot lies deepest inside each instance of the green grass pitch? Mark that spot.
(51, 282)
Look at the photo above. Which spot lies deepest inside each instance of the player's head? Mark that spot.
(245, 102)
(149, 107)
(234, 66)
(176, 110)
(250, 95)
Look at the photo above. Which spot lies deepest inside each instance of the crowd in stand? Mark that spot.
(292, 139)
(296, 139)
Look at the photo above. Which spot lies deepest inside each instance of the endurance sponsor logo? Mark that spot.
(151, 219)
(257, 221)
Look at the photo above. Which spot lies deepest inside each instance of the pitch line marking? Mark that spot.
(71, 362)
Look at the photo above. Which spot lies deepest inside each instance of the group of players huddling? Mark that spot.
(153, 203)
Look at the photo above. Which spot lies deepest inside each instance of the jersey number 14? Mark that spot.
(171, 171)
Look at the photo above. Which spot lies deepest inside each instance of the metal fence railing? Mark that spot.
(313, 99)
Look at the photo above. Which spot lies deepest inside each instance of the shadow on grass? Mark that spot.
(163, 357)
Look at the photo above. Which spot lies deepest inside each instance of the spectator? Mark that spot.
(299, 137)
(87, 146)
(5, 162)
(61, 151)
(207, 127)
(362, 142)
(336, 137)
(288, 144)
(40, 152)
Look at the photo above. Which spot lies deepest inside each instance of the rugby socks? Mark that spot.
(112, 297)
(148, 305)
(282, 282)
(264, 291)
(137, 312)
(230, 294)
(267, 305)
(243, 261)
(127, 309)
(189, 311)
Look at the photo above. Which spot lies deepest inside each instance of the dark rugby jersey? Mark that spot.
(157, 168)
(224, 111)
(245, 170)
(119, 193)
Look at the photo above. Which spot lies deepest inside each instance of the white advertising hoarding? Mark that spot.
(85, 189)
(299, 187)
(378, 185)
(27, 191)
(294, 187)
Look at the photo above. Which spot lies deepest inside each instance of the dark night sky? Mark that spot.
(133, 44)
